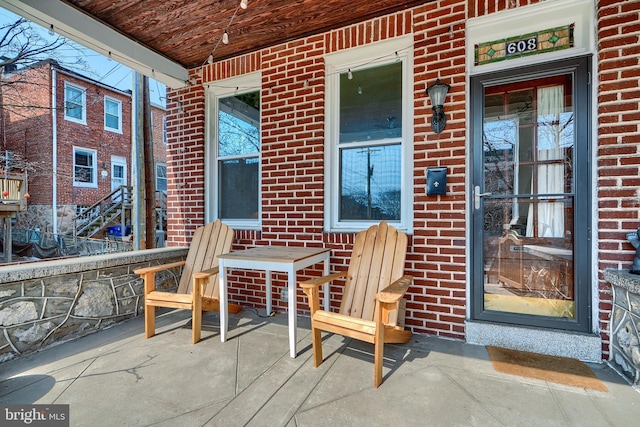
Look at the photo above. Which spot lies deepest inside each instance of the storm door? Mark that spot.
(530, 197)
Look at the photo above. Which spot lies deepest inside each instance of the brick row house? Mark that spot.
(75, 132)
(307, 141)
(540, 151)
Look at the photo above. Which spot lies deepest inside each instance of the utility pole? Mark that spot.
(149, 172)
(137, 161)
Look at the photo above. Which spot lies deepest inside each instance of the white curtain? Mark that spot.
(550, 177)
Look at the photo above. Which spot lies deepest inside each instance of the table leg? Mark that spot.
(293, 318)
(224, 307)
(267, 275)
(327, 286)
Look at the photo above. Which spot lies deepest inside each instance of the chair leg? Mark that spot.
(149, 320)
(378, 352)
(317, 346)
(378, 362)
(196, 323)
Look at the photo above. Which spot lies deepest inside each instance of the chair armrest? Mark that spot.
(156, 268)
(205, 274)
(318, 281)
(395, 291)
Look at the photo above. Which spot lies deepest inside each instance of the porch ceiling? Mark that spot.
(187, 31)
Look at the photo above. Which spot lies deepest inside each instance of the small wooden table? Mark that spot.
(287, 259)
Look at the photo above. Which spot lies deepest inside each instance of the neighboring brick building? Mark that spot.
(78, 137)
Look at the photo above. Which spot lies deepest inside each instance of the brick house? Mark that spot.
(81, 131)
(540, 152)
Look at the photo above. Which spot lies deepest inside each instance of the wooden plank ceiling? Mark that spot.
(187, 31)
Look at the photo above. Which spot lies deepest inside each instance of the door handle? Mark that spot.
(477, 194)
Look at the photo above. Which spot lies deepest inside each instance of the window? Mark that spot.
(234, 180)
(161, 177)
(164, 130)
(369, 136)
(84, 168)
(112, 115)
(74, 103)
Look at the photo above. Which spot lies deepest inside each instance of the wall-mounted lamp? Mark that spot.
(437, 93)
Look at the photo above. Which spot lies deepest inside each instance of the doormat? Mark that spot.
(560, 370)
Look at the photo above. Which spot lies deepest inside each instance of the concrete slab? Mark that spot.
(117, 377)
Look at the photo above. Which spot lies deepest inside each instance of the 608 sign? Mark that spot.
(521, 46)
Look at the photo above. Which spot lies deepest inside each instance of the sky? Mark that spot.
(101, 68)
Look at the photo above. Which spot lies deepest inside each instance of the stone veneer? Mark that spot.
(625, 324)
(49, 302)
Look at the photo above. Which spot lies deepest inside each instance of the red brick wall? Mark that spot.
(28, 123)
(293, 159)
(292, 132)
(618, 148)
(159, 146)
(185, 163)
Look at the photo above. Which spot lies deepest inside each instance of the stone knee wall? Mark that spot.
(54, 301)
(625, 323)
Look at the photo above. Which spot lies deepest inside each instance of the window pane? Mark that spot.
(73, 102)
(370, 183)
(111, 122)
(239, 188)
(83, 171)
(371, 104)
(239, 125)
(111, 108)
(161, 178)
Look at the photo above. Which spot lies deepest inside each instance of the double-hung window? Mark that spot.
(161, 177)
(233, 174)
(75, 103)
(369, 136)
(85, 172)
(112, 115)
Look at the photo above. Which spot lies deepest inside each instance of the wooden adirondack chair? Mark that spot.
(372, 307)
(198, 288)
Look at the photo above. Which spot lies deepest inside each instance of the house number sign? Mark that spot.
(548, 40)
(521, 46)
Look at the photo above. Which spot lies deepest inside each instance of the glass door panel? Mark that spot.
(527, 193)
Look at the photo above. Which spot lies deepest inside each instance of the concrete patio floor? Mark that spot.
(116, 377)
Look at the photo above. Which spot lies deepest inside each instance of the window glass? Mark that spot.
(370, 186)
(371, 103)
(238, 161)
(112, 114)
(369, 174)
(74, 103)
(161, 177)
(84, 166)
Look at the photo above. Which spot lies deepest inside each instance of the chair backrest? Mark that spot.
(376, 261)
(208, 242)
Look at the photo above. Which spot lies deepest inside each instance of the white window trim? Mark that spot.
(119, 129)
(380, 53)
(223, 88)
(94, 174)
(83, 120)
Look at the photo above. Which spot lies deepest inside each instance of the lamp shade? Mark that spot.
(438, 92)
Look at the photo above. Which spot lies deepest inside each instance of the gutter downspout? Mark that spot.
(54, 156)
